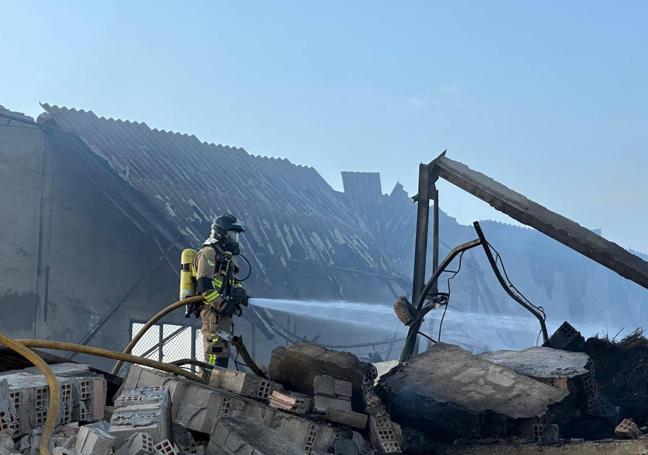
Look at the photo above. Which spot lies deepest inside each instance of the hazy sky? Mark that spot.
(548, 97)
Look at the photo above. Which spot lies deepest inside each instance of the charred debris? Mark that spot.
(585, 398)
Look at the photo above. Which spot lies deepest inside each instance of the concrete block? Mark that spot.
(24, 398)
(165, 448)
(349, 418)
(242, 383)
(322, 403)
(291, 402)
(197, 408)
(238, 436)
(567, 338)
(324, 384)
(146, 377)
(141, 396)
(331, 387)
(63, 451)
(152, 419)
(93, 441)
(627, 429)
(137, 444)
(343, 388)
(384, 435)
(305, 433)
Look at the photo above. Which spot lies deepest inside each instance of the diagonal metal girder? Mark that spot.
(530, 213)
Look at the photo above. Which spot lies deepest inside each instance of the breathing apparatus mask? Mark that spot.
(230, 242)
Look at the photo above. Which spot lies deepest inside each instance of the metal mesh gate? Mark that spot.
(168, 342)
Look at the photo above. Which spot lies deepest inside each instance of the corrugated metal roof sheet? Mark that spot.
(290, 211)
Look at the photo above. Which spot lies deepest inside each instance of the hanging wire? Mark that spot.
(454, 274)
(499, 259)
(426, 336)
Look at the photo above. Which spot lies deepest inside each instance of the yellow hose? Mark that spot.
(174, 306)
(99, 352)
(54, 395)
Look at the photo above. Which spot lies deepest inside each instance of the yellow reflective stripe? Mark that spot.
(212, 296)
(211, 359)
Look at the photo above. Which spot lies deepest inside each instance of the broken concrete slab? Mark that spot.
(542, 362)
(450, 393)
(571, 371)
(240, 436)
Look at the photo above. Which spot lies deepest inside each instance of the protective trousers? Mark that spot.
(216, 348)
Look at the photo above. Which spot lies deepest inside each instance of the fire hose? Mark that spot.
(121, 356)
(236, 341)
(174, 306)
(53, 406)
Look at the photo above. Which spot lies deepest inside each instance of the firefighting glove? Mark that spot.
(212, 298)
(240, 296)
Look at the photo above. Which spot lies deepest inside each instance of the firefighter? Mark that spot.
(214, 269)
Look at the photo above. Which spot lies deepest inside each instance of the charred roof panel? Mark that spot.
(290, 210)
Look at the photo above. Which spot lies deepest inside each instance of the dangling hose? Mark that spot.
(174, 306)
(122, 357)
(237, 342)
(54, 395)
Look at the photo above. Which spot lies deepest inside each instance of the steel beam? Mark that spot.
(530, 213)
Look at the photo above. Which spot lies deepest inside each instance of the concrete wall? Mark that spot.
(70, 255)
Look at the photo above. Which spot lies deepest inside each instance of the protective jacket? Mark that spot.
(223, 299)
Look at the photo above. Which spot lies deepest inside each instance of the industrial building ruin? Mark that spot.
(99, 211)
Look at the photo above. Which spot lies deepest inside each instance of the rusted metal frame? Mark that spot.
(422, 221)
(514, 295)
(412, 334)
(435, 232)
(554, 225)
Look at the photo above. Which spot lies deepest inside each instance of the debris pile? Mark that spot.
(446, 400)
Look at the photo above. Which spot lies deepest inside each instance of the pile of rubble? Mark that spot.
(319, 406)
(320, 401)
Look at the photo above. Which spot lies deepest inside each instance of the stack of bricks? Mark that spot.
(144, 410)
(200, 408)
(24, 398)
(333, 398)
(331, 393)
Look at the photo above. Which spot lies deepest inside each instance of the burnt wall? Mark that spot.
(76, 267)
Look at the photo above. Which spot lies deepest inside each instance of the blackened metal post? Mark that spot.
(435, 234)
(422, 221)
